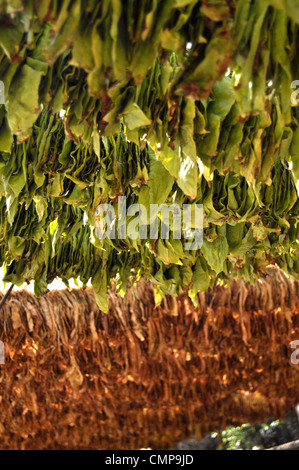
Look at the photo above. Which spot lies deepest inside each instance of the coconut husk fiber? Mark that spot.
(140, 376)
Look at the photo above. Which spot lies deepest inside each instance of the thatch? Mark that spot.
(142, 376)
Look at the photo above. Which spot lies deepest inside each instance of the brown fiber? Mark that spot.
(140, 376)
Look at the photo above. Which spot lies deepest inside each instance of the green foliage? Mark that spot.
(175, 101)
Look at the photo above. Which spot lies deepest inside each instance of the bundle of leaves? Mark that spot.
(72, 373)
